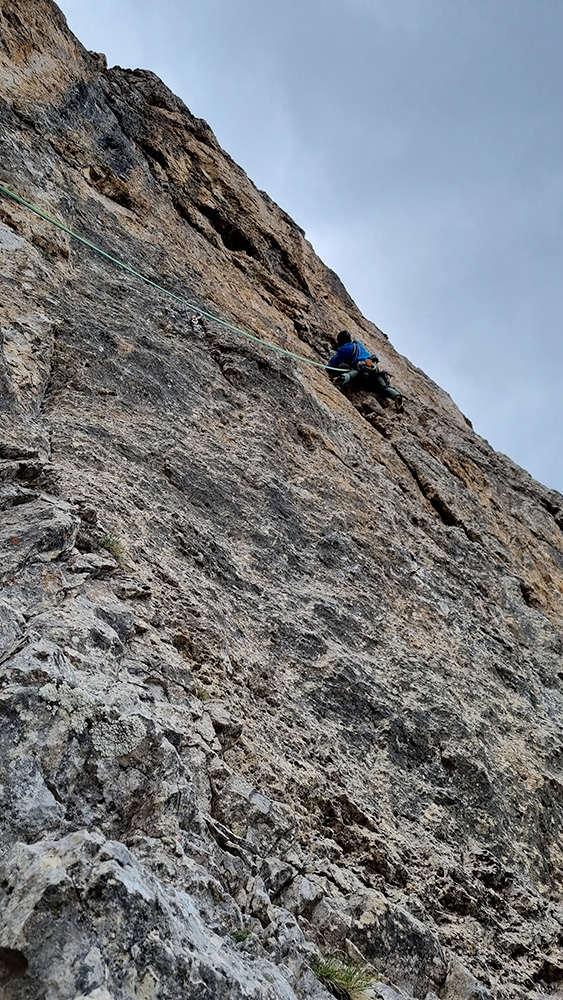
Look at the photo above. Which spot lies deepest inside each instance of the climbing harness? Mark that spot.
(365, 368)
(178, 298)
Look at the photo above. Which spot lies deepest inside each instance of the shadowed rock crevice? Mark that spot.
(554, 509)
(233, 238)
(13, 965)
(430, 492)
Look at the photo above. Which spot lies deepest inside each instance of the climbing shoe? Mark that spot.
(399, 405)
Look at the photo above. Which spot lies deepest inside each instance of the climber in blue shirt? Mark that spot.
(361, 368)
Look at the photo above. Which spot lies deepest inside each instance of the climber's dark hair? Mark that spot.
(343, 338)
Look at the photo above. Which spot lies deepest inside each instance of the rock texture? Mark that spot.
(280, 670)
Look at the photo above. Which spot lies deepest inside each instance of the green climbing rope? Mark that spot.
(178, 298)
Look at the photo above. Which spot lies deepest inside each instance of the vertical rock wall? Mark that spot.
(280, 670)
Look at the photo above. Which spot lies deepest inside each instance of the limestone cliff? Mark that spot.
(280, 670)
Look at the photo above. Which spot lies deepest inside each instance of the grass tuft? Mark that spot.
(115, 547)
(240, 936)
(202, 693)
(343, 979)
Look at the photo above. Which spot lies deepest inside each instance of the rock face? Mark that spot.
(280, 669)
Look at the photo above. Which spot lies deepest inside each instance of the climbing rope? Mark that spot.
(178, 298)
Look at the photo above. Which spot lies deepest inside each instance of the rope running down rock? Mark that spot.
(178, 298)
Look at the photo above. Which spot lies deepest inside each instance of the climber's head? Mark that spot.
(343, 338)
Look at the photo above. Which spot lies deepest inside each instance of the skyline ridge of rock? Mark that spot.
(281, 670)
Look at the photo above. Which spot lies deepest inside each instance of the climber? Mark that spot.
(361, 368)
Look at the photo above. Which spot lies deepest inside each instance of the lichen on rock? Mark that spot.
(116, 739)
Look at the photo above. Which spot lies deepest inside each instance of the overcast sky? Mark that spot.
(419, 143)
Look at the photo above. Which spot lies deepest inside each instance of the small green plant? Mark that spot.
(240, 936)
(343, 979)
(115, 547)
(202, 694)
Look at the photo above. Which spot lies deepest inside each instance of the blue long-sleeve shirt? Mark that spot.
(348, 355)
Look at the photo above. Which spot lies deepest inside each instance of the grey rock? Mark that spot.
(461, 985)
(260, 821)
(12, 626)
(396, 943)
(96, 564)
(163, 941)
(302, 896)
(385, 992)
(228, 729)
(36, 530)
